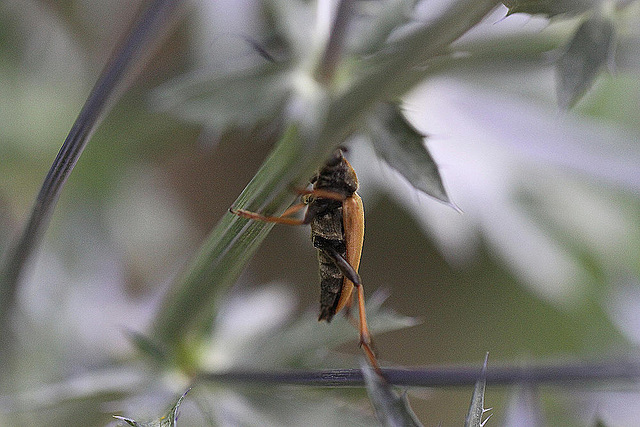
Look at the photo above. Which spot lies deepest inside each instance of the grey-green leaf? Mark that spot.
(242, 98)
(168, 420)
(147, 346)
(399, 144)
(392, 409)
(389, 17)
(547, 7)
(301, 342)
(585, 56)
(129, 421)
(476, 409)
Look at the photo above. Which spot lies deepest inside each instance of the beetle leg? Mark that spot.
(293, 209)
(282, 219)
(365, 335)
(348, 314)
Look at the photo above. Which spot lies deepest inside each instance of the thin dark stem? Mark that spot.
(444, 376)
(335, 45)
(102, 96)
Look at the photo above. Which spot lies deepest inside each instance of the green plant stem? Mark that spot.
(561, 374)
(191, 304)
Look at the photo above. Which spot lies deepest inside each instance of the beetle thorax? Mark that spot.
(337, 175)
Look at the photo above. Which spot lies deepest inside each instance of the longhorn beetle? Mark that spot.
(336, 215)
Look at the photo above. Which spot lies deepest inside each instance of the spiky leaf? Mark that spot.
(147, 346)
(476, 409)
(399, 144)
(168, 420)
(547, 7)
(389, 16)
(392, 410)
(585, 56)
(242, 98)
(303, 342)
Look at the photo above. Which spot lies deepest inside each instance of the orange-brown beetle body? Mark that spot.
(336, 215)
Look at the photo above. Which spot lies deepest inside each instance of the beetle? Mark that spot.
(336, 215)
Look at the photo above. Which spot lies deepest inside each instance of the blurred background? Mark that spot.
(542, 263)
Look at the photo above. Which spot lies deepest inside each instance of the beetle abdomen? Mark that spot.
(327, 232)
(331, 279)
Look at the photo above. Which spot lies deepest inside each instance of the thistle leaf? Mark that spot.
(476, 409)
(168, 420)
(389, 16)
(304, 341)
(147, 346)
(547, 7)
(392, 409)
(242, 98)
(586, 54)
(276, 407)
(399, 144)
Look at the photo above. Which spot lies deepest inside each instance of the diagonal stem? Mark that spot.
(102, 97)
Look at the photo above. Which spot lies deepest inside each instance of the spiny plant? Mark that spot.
(321, 89)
